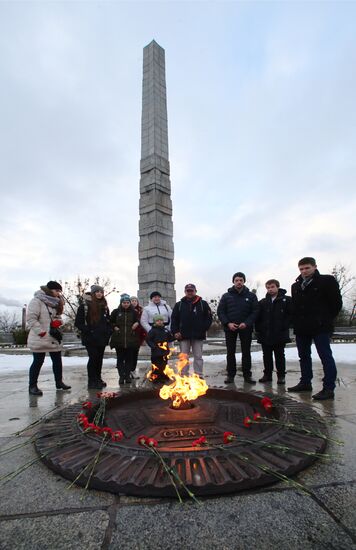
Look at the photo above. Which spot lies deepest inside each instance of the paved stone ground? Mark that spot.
(38, 512)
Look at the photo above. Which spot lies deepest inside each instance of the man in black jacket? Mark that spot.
(237, 311)
(316, 301)
(191, 318)
(272, 328)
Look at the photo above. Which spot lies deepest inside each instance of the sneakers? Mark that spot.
(324, 394)
(229, 380)
(103, 383)
(121, 380)
(265, 378)
(62, 386)
(34, 390)
(249, 380)
(301, 387)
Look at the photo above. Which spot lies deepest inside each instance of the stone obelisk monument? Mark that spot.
(156, 250)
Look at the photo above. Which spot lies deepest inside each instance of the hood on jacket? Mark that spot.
(281, 292)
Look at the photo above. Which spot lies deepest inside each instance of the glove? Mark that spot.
(42, 334)
(56, 323)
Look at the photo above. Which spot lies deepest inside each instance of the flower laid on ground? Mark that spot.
(87, 405)
(267, 404)
(152, 444)
(200, 441)
(107, 394)
(228, 437)
(257, 417)
(247, 422)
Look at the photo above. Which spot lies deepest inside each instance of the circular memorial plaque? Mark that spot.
(282, 443)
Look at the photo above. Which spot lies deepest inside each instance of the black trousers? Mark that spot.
(38, 360)
(125, 361)
(245, 336)
(95, 362)
(279, 358)
(135, 358)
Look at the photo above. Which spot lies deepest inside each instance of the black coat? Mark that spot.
(238, 307)
(274, 318)
(125, 337)
(315, 308)
(191, 318)
(159, 335)
(97, 334)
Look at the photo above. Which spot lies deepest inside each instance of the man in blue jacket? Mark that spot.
(237, 311)
(191, 318)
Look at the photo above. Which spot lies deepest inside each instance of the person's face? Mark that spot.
(307, 270)
(272, 289)
(126, 304)
(99, 295)
(159, 323)
(56, 293)
(156, 299)
(190, 293)
(239, 282)
(134, 302)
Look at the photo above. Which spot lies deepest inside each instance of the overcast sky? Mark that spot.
(262, 139)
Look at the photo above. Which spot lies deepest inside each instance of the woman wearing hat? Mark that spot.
(93, 321)
(125, 339)
(44, 319)
(140, 331)
(157, 306)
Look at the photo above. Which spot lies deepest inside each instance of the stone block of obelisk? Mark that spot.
(156, 250)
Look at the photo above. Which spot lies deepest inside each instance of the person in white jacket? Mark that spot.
(157, 306)
(43, 320)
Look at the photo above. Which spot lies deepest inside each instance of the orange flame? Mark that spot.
(184, 388)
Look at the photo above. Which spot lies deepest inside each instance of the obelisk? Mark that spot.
(156, 250)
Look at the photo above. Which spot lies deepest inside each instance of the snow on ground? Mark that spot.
(343, 353)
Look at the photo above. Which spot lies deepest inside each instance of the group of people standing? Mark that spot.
(310, 310)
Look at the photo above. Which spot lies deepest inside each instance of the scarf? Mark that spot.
(49, 300)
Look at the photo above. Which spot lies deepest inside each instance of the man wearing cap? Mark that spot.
(157, 306)
(191, 318)
(237, 311)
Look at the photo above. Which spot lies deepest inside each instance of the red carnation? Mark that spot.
(247, 422)
(266, 403)
(107, 430)
(56, 323)
(152, 442)
(229, 436)
(99, 394)
(87, 405)
(257, 416)
(200, 441)
(117, 436)
(142, 440)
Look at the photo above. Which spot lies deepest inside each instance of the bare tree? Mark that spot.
(8, 321)
(342, 274)
(73, 293)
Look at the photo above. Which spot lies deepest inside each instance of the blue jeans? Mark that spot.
(322, 344)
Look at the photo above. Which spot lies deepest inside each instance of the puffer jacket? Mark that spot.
(192, 318)
(238, 307)
(314, 309)
(156, 338)
(153, 309)
(274, 319)
(39, 317)
(97, 334)
(125, 337)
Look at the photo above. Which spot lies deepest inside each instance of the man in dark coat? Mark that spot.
(237, 311)
(272, 328)
(191, 318)
(316, 301)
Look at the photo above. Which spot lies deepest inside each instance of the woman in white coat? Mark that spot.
(156, 306)
(43, 320)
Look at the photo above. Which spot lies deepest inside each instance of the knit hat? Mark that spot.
(158, 317)
(239, 274)
(96, 288)
(53, 285)
(133, 298)
(124, 298)
(155, 293)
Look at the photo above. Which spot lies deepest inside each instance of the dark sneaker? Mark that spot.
(103, 383)
(97, 385)
(128, 379)
(281, 381)
(265, 379)
(229, 380)
(34, 390)
(121, 380)
(301, 387)
(62, 386)
(249, 380)
(323, 395)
